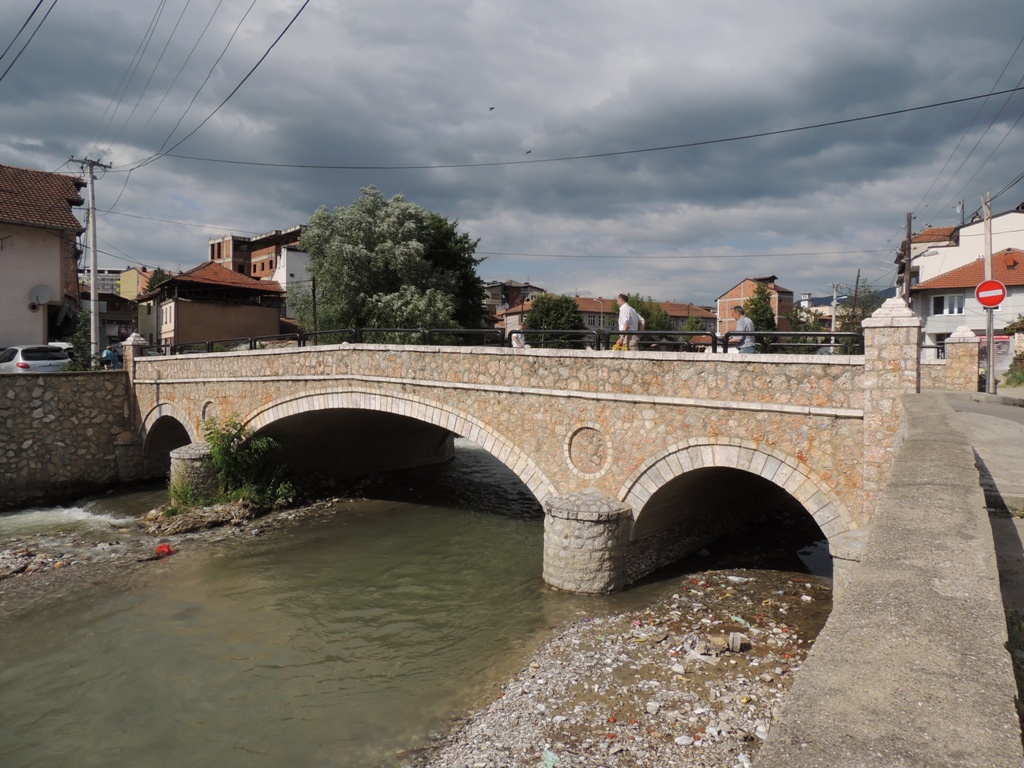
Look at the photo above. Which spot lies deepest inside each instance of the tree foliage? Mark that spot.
(759, 309)
(388, 263)
(551, 312)
(156, 277)
(654, 315)
(861, 302)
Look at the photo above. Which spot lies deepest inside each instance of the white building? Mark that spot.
(938, 250)
(947, 302)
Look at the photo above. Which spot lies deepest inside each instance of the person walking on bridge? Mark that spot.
(744, 325)
(629, 320)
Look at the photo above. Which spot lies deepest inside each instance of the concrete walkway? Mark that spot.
(911, 670)
(994, 425)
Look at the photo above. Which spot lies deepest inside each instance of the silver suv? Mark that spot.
(33, 358)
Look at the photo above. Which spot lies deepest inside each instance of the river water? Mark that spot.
(345, 639)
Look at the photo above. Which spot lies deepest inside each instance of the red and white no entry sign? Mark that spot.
(990, 293)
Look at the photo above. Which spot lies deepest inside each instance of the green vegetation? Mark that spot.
(381, 263)
(247, 470)
(551, 312)
(759, 309)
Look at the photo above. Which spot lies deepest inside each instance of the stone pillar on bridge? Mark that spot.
(586, 534)
(193, 473)
(962, 363)
(129, 446)
(892, 369)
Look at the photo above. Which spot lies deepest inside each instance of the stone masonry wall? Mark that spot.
(59, 435)
(562, 419)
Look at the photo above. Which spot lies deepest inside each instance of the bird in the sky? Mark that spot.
(491, 109)
(529, 151)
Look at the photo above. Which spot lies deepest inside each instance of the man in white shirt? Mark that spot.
(629, 320)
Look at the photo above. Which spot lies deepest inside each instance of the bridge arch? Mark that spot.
(788, 473)
(164, 428)
(436, 414)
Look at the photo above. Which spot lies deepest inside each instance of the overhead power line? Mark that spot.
(30, 38)
(596, 155)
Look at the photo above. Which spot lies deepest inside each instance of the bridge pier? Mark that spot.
(586, 535)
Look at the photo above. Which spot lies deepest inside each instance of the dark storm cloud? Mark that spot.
(411, 84)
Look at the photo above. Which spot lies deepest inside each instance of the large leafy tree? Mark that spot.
(654, 315)
(387, 263)
(759, 309)
(551, 312)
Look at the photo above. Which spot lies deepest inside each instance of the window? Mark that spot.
(951, 304)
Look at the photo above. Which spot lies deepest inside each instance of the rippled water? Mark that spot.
(343, 641)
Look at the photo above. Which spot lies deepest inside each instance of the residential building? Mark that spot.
(781, 301)
(39, 296)
(117, 319)
(500, 296)
(207, 303)
(937, 250)
(108, 279)
(134, 281)
(947, 302)
(257, 257)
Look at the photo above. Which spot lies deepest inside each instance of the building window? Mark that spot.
(591, 320)
(952, 304)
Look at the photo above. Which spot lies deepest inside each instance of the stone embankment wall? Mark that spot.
(60, 435)
(912, 667)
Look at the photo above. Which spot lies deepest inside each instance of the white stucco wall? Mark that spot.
(30, 258)
(1007, 232)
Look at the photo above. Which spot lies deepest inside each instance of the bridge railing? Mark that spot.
(556, 339)
(666, 341)
(801, 342)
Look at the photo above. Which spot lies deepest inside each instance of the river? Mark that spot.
(345, 639)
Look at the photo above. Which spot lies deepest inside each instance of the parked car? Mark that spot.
(33, 358)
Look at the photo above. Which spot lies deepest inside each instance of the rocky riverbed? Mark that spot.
(696, 679)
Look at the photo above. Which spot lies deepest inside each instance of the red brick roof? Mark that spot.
(39, 198)
(934, 235)
(1007, 268)
(211, 273)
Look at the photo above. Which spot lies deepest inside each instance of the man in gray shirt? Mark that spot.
(744, 325)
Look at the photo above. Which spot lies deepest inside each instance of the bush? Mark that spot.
(1014, 376)
(246, 465)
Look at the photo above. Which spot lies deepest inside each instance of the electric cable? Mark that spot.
(30, 39)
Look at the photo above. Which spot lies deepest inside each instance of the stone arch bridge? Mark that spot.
(639, 458)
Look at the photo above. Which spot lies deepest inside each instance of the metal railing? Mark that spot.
(806, 342)
(800, 342)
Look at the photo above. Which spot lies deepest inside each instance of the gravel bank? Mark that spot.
(694, 680)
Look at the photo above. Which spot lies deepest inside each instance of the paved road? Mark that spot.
(995, 426)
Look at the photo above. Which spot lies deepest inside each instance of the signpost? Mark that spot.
(990, 293)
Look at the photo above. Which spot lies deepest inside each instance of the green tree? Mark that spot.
(156, 277)
(550, 312)
(759, 309)
(381, 263)
(803, 320)
(654, 315)
(860, 304)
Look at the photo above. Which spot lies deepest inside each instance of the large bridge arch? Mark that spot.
(788, 473)
(164, 428)
(440, 415)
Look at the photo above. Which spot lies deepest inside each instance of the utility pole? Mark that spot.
(94, 299)
(990, 368)
(907, 260)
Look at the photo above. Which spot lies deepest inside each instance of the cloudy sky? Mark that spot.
(592, 146)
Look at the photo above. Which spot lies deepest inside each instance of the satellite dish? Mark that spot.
(41, 294)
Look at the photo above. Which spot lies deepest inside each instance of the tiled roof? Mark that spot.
(210, 273)
(934, 235)
(1007, 268)
(39, 198)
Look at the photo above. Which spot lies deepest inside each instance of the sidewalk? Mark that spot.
(994, 424)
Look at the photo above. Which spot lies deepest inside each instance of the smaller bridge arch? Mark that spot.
(788, 473)
(418, 409)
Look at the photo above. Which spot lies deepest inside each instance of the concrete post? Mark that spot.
(585, 538)
(132, 347)
(892, 369)
(962, 360)
(193, 475)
